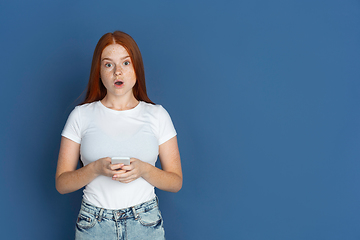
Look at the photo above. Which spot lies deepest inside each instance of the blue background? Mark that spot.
(264, 96)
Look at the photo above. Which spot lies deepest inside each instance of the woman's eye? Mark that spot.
(126, 63)
(108, 65)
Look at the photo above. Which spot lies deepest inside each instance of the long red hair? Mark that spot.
(95, 89)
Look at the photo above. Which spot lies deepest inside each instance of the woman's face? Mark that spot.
(116, 71)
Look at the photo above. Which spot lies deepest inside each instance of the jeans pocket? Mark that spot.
(85, 220)
(150, 218)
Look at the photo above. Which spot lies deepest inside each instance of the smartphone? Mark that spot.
(123, 160)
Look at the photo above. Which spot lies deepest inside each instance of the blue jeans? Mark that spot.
(141, 222)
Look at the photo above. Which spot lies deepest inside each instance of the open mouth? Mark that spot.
(118, 82)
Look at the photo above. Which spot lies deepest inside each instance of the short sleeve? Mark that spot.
(166, 127)
(72, 129)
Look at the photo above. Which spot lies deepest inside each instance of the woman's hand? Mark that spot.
(129, 173)
(104, 167)
(168, 178)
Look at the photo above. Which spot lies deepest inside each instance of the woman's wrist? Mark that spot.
(94, 168)
(145, 169)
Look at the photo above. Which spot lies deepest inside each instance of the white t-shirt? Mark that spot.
(104, 132)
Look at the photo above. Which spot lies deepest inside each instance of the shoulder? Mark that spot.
(154, 109)
(77, 121)
(81, 112)
(87, 106)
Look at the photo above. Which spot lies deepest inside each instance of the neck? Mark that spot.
(120, 104)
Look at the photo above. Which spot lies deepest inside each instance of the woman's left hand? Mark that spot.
(133, 171)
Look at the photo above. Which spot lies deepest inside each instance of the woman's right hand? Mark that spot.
(104, 167)
(69, 179)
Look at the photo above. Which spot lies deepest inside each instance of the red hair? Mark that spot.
(95, 89)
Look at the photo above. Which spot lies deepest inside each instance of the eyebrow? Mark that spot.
(113, 60)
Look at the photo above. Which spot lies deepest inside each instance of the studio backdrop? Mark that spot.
(264, 96)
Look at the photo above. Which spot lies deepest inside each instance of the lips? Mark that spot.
(118, 83)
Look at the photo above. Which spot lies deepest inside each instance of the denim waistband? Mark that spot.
(119, 213)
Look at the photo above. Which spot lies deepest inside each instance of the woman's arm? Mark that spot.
(169, 178)
(68, 179)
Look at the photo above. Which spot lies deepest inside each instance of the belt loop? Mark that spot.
(101, 214)
(134, 212)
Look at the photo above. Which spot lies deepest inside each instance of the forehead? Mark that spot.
(114, 51)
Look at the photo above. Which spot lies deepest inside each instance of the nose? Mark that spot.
(118, 70)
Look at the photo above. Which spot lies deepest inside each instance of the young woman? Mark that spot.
(117, 119)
